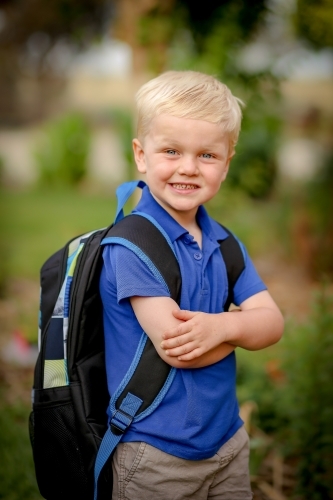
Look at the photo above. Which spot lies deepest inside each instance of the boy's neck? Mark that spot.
(194, 229)
(185, 219)
(189, 223)
(196, 232)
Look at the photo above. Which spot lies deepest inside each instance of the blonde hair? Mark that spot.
(189, 94)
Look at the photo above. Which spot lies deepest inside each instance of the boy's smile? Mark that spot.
(185, 162)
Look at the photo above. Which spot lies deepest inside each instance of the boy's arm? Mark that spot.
(257, 325)
(156, 315)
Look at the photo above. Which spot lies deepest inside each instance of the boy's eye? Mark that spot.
(207, 155)
(171, 152)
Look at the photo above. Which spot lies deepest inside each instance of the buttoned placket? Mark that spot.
(201, 256)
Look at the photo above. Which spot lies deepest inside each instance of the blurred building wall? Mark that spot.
(94, 95)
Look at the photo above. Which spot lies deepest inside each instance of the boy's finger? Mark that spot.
(177, 331)
(181, 350)
(189, 356)
(183, 314)
(176, 341)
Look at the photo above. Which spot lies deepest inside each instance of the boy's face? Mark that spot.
(185, 162)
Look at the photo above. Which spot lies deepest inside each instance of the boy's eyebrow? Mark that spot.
(168, 142)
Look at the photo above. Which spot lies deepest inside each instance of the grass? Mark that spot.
(36, 223)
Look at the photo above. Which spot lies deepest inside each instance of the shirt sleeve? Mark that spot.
(132, 275)
(249, 282)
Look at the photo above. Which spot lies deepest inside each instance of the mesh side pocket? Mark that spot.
(58, 461)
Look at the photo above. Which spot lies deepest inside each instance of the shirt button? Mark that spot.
(197, 255)
(188, 239)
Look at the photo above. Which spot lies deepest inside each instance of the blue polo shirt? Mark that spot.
(200, 411)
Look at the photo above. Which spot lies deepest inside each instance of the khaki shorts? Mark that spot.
(142, 472)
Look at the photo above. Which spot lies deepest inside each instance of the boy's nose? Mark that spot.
(188, 166)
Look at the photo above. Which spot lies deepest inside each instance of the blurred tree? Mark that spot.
(180, 34)
(31, 28)
(149, 26)
(314, 21)
(203, 19)
(217, 49)
(78, 19)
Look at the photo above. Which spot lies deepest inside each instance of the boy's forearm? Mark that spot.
(209, 358)
(253, 329)
(257, 325)
(154, 313)
(186, 339)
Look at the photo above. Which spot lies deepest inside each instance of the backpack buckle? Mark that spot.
(120, 421)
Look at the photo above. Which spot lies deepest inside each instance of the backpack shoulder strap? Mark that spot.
(233, 257)
(144, 233)
(142, 236)
(142, 391)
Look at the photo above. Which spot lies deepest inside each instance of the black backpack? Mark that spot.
(69, 432)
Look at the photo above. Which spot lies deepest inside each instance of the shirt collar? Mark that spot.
(209, 226)
(150, 206)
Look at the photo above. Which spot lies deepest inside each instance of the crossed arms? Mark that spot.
(187, 339)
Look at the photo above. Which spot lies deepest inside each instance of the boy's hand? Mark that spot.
(197, 334)
(197, 339)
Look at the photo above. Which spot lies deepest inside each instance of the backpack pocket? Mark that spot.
(59, 465)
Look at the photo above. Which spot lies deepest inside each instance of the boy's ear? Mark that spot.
(226, 167)
(139, 156)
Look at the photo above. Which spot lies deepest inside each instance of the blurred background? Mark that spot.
(69, 70)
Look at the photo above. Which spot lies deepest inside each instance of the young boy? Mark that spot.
(193, 446)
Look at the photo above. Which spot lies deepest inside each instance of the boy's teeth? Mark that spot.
(184, 186)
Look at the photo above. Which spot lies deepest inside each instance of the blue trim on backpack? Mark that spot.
(160, 228)
(121, 419)
(139, 253)
(159, 398)
(129, 374)
(123, 192)
(127, 378)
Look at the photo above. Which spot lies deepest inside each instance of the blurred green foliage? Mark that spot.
(122, 121)
(183, 35)
(62, 155)
(17, 474)
(305, 222)
(291, 386)
(253, 169)
(319, 205)
(314, 20)
(306, 399)
(201, 21)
